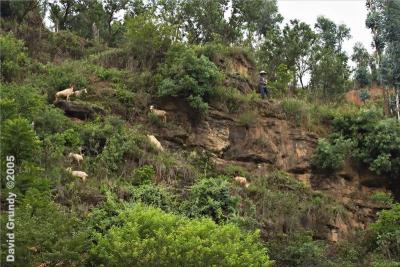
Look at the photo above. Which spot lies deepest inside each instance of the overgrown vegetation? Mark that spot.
(141, 206)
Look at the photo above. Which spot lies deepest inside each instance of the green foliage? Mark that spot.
(295, 110)
(330, 156)
(210, 197)
(248, 118)
(387, 232)
(66, 44)
(144, 174)
(18, 139)
(46, 232)
(298, 250)
(284, 76)
(23, 99)
(154, 195)
(12, 57)
(121, 146)
(384, 198)
(163, 239)
(186, 75)
(376, 140)
(146, 40)
(155, 120)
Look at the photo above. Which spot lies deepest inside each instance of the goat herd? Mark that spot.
(161, 114)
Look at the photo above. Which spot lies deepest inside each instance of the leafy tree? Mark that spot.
(187, 75)
(331, 36)
(61, 13)
(147, 236)
(329, 74)
(147, 40)
(362, 58)
(299, 41)
(375, 22)
(112, 7)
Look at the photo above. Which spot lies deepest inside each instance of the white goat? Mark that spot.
(65, 93)
(76, 157)
(153, 140)
(79, 174)
(242, 181)
(80, 92)
(162, 114)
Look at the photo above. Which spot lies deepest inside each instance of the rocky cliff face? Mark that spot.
(273, 143)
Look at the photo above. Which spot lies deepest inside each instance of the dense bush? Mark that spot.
(184, 74)
(387, 232)
(330, 155)
(154, 195)
(12, 57)
(66, 44)
(18, 139)
(299, 250)
(210, 197)
(46, 233)
(149, 237)
(146, 40)
(375, 142)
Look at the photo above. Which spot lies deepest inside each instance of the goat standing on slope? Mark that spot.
(79, 174)
(242, 181)
(162, 114)
(153, 140)
(76, 157)
(65, 93)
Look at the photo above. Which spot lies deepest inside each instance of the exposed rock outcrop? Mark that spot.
(77, 110)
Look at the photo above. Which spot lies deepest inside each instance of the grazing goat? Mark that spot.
(76, 157)
(65, 93)
(80, 92)
(242, 181)
(153, 140)
(162, 114)
(79, 174)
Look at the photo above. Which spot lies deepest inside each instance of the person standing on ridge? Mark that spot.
(262, 84)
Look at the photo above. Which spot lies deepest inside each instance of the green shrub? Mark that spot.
(186, 75)
(330, 156)
(12, 57)
(295, 109)
(125, 145)
(146, 40)
(143, 174)
(27, 101)
(42, 226)
(66, 44)
(376, 140)
(248, 119)
(154, 195)
(155, 120)
(210, 197)
(298, 250)
(384, 198)
(387, 232)
(149, 237)
(18, 139)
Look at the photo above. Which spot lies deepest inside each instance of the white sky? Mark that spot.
(350, 12)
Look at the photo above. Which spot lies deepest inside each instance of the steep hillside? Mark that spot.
(282, 181)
